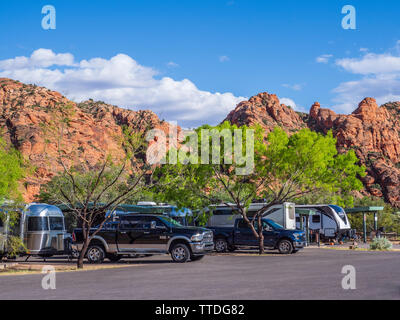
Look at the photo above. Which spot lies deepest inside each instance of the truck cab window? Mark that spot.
(316, 219)
(132, 223)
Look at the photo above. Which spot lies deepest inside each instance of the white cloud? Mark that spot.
(324, 58)
(295, 87)
(224, 58)
(172, 64)
(288, 102)
(291, 103)
(364, 50)
(123, 82)
(39, 58)
(371, 63)
(380, 79)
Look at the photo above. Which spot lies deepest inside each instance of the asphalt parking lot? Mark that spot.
(309, 274)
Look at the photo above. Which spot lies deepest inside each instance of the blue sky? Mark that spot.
(236, 48)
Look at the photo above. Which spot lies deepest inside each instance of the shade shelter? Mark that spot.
(364, 211)
(305, 213)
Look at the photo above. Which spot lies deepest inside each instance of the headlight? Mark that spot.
(197, 237)
(297, 236)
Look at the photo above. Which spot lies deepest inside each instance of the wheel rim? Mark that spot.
(284, 246)
(94, 254)
(179, 253)
(220, 245)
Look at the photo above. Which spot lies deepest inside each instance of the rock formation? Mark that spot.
(43, 124)
(373, 132)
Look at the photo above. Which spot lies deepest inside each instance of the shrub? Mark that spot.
(380, 244)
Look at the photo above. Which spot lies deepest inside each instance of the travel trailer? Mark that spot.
(283, 214)
(42, 230)
(330, 220)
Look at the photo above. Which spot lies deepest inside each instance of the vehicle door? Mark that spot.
(270, 235)
(155, 234)
(244, 235)
(129, 232)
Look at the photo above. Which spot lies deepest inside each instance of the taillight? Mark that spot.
(73, 237)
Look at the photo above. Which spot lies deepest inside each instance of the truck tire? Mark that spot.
(95, 254)
(285, 246)
(180, 253)
(113, 257)
(75, 253)
(196, 258)
(221, 245)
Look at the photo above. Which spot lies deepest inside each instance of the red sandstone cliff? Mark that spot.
(372, 131)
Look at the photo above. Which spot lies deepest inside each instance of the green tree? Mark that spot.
(283, 169)
(89, 192)
(11, 172)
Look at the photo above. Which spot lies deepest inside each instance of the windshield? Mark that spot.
(170, 222)
(273, 224)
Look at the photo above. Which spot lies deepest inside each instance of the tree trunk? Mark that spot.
(260, 235)
(261, 243)
(83, 253)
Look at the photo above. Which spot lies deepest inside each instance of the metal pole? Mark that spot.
(365, 227)
(376, 221)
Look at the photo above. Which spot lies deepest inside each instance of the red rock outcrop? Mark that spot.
(373, 132)
(266, 110)
(31, 119)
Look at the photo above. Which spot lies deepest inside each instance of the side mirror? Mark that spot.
(153, 225)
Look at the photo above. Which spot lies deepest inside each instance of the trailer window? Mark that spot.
(56, 223)
(316, 219)
(38, 224)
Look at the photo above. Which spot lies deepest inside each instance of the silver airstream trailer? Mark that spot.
(43, 230)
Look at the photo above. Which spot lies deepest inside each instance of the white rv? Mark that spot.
(330, 220)
(225, 216)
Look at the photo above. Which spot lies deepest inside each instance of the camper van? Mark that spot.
(330, 220)
(283, 214)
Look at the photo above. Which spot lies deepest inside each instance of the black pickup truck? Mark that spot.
(275, 237)
(142, 234)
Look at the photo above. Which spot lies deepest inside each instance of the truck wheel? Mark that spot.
(180, 253)
(95, 254)
(285, 247)
(75, 253)
(196, 258)
(114, 257)
(221, 245)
